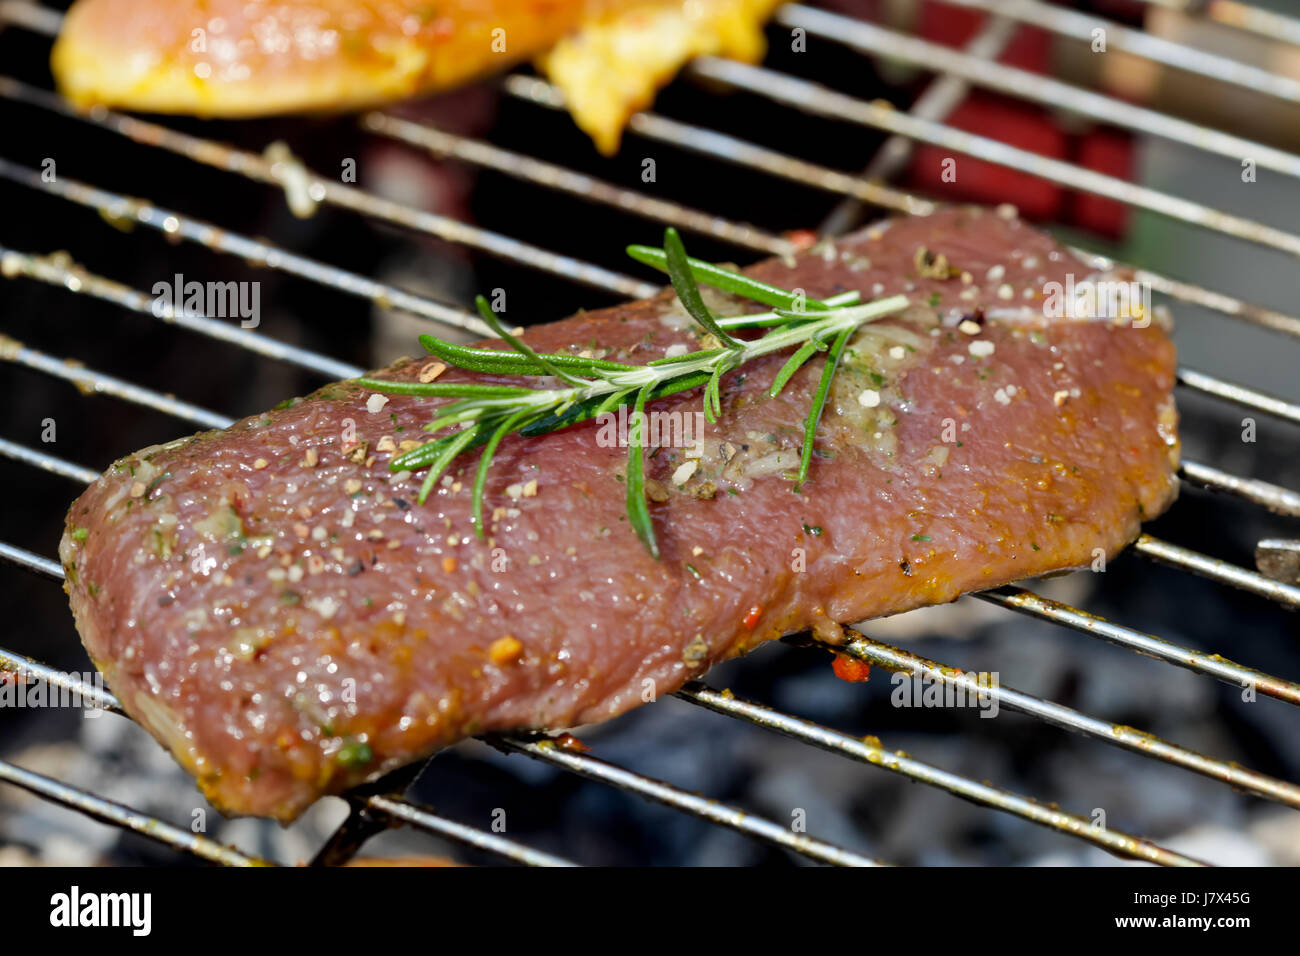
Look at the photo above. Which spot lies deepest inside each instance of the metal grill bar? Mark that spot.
(1148, 645)
(399, 811)
(593, 768)
(707, 142)
(1279, 500)
(1243, 16)
(821, 100)
(118, 207)
(1079, 26)
(1035, 87)
(895, 659)
(443, 145)
(870, 752)
(55, 271)
(1216, 570)
(48, 463)
(742, 153)
(107, 811)
(935, 102)
(261, 169)
(98, 383)
(1241, 395)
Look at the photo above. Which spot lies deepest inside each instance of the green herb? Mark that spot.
(354, 755)
(80, 534)
(920, 537)
(482, 414)
(814, 529)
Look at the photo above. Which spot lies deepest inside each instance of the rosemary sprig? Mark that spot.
(484, 414)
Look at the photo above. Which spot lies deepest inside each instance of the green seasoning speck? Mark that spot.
(812, 529)
(1035, 546)
(934, 300)
(354, 754)
(920, 537)
(80, 534)
(691, 568)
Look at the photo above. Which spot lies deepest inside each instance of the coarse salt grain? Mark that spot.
(981, 348)
(375, 403)
(969, 326)
(684, 472)
(868, 398)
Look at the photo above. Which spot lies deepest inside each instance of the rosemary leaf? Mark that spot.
(485, 461)
(457, 443)
(793, 364)
(688, 290)
(444, 389)
(638, 510)
(727, 280)
(512, 363)
(520, 346)
(819, 403)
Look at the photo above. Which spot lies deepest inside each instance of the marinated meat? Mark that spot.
(276, 607)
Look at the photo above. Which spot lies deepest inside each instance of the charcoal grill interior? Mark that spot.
(493, 187)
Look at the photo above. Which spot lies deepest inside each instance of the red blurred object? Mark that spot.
(1022, 125)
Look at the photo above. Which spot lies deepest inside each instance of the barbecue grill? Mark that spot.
(893, 134)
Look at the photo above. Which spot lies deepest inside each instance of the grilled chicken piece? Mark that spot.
(259, 57)
(278, 610)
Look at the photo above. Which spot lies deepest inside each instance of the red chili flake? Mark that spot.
(801, 238)
(750, 620)
(571, 743)
(851, 669)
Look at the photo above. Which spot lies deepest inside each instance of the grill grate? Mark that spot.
(383, 807)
